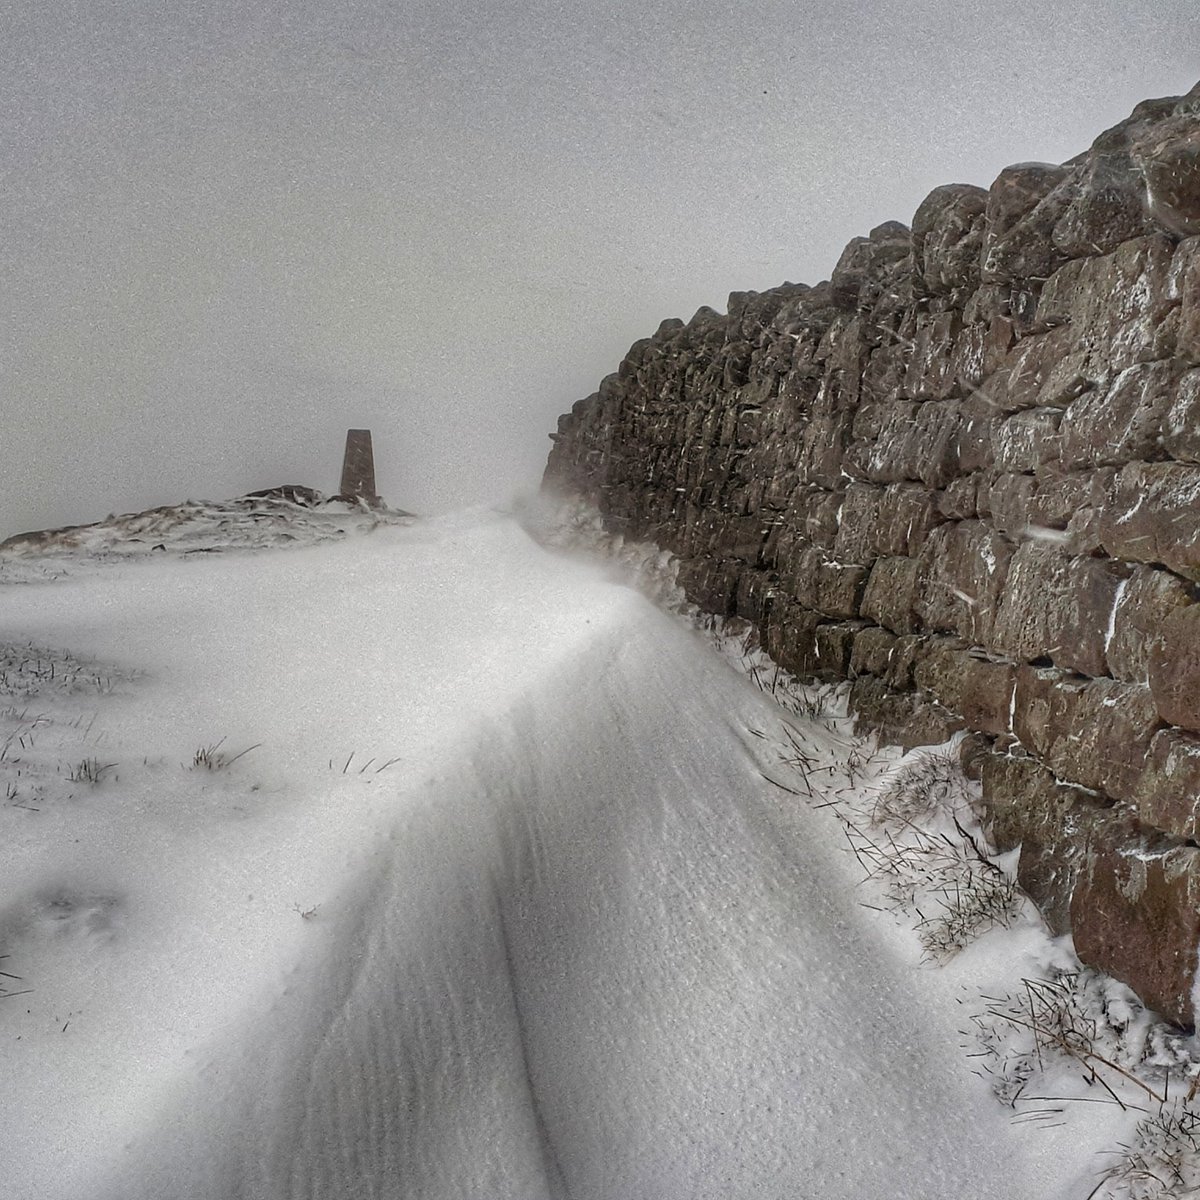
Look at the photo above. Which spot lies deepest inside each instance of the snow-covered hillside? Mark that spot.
(429, 863)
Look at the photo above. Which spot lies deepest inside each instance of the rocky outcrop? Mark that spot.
(964, 473)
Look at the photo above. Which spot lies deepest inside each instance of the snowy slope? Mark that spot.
(500, 905)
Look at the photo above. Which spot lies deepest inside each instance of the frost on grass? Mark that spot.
(1100, 1032)
(27, 671)
(1161, 1161)
(929, 786)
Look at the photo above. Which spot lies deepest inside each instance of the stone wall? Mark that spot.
(964, 473)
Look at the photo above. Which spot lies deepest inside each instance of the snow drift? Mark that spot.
(501, 906)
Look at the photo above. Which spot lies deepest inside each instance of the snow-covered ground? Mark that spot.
(431, 863)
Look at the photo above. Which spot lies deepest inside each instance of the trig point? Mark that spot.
(358, 468)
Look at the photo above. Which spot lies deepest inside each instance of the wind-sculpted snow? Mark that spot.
(569, 943)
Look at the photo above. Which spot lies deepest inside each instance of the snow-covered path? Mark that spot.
(568, 944)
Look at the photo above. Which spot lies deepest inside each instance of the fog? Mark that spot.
(231, 230)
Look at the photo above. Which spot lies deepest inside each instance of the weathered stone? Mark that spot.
(963, 568)
(916, 442)
(975, 688)
(1153, 516)
(1185, 287)
(947, 236)
(1057, 301)
(1053, 824)
(833, 646)
(1014, 194)
(959, 499)
(887, 522)
(791, 637)
(1094, 732)
(826, 585)
(1027, 440)
(1024, 249)
(900, 718)
(753, 595)
(1030, 376)
(1122, 422)
(873, 650)
(902, 663)
(1105, 209)
(1168, 793)
(973, 750)
(1056, 606)
(1181, 425)
(851, 272)
(1135, 914)
(1116, 303)
(1169, 158)
(710, 583)
(823, 448)
(1174, 667)
(932, 371)
(1144, 601)
(891, 594)
(855, 541)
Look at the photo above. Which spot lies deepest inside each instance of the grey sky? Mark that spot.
(231, 230)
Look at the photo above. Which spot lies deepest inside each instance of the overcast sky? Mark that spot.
(231, 230)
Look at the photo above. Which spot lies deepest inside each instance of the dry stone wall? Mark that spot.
(964, 474)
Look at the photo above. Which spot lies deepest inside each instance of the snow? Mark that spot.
(500, 904)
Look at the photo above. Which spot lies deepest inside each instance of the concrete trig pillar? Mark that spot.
(358, 468)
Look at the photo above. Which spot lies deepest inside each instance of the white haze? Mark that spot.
(232, 230)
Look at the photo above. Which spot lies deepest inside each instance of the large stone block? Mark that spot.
(1144, 601)
(900, 718)
(958, 500)
(857, 521)
(976, 688)
(1056, 606)
(1027, 441)
(891, 594)
(1174, 667)
(873, 650)
(1117, 304)
(753, 595)
(1105, 208)
(1168, 793)
(884, 521)
(827, 585)
(833, 647)
(947, 237)
(963, 569)
(1136, 916)
(823, 448)
(1181, 425)
(850, 273)
(1168, 155)
(1053, 823)
(932, 370)
(1151, 516)
(915, 442)
(1124, 421)
(711, 583)
(1019, 241)
(1014, 194)
(1030, 376)
(791, 637)
(1185, 286)
(1093, 732)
